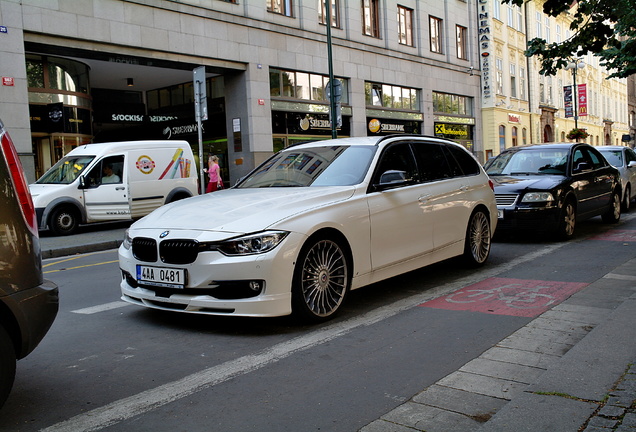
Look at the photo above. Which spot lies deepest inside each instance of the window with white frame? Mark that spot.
(522, 83)
(539, 26)
(499, 75)
(497, 10)
(513, 80)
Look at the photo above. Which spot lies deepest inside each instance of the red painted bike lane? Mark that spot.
(519, 297)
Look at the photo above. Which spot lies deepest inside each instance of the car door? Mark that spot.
(593, 180)
(400, 217)
(630, 157)
(106, 193)
(447, 191)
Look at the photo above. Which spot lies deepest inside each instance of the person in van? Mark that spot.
(109, 175)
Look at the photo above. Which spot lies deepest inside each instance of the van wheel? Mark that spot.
(64, 221)
(7, 365)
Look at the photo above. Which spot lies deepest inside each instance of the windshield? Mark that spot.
(315, 166)
(66, 170)
(529, 162)
(615, 157)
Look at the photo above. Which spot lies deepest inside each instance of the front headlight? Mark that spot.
(127, 242)
(534, 197)
(250, 244)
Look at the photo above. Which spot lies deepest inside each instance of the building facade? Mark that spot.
(89, 71)
(520, 106)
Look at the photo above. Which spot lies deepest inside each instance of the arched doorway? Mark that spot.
(548, 136)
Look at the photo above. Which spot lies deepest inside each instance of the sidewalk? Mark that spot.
(571, 369)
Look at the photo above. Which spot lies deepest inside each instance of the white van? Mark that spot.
(113, 181)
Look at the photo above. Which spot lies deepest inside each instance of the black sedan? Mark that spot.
(549, 187)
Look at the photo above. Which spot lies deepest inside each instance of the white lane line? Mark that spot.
(101, 308)
(149, 400)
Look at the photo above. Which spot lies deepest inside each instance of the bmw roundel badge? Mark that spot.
(164, 234)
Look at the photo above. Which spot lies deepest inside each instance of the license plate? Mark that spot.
(161, 276)
(500, 214)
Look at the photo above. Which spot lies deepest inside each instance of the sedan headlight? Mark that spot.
(250, 244)
(127, 242)
(534, 197)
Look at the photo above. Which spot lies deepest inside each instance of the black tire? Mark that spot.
(613, 214)
(567, 221)
(7, 365)
(321, 280)
(478, 239)
(64, 220)
(627, 199)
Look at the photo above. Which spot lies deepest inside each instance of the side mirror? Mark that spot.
(582, 166)
(82, 183)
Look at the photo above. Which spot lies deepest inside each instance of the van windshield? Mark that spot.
(66, 170)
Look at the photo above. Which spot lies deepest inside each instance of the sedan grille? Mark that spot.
(506, 199)
(178, 251)
(144, 249)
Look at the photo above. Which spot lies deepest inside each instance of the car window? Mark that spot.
(66, 170)
(529, 162)
(615, 157)
(314, 166)
(433, 163)
(109, 170)
(630, 155)
(467, 163)
(396, 165)
(597, 160)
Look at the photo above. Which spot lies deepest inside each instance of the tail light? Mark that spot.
(491, 184)
(19, 180)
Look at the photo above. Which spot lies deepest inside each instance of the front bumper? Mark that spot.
(220, 285)
(528, 218)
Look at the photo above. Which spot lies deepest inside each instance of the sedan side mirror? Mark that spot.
(582, 166)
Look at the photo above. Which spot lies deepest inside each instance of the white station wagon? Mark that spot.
(311, 223)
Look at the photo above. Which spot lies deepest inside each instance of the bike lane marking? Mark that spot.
(507, 296)
(617, 235)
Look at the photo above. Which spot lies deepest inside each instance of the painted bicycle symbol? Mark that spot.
(514, 295)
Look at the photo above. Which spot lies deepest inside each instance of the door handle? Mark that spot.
(423, 198)
(120, 188)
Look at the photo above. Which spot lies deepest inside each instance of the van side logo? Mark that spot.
(145, 164)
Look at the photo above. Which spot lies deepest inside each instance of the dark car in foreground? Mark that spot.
(550, 187)
(28, 303)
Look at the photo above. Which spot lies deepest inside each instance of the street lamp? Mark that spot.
(575, 65)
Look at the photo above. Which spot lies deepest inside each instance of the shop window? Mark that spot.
(391, 96)
(57, 74)
(514, 136)
(302, 85)
(445, 103)
(335, 15)
(405, 23)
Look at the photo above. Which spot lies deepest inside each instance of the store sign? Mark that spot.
(387, 127)
(453, 131)
(305, 124)
(8, 81)
(582, 99)
(485, 46)
(568, 102)
(514, 118)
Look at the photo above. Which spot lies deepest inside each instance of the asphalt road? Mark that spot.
(106, 365)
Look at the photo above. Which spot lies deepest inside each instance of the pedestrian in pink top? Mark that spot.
(214, 172)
